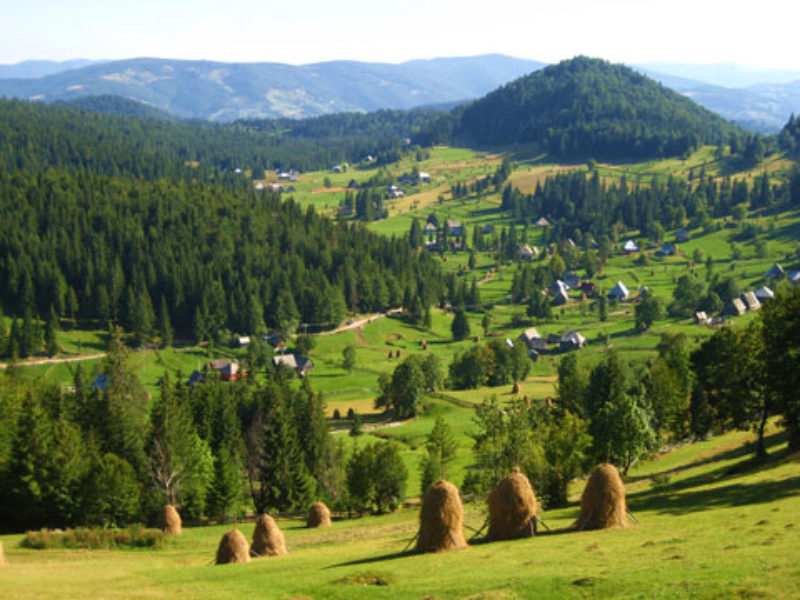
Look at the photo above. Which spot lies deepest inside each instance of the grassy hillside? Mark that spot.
(718, 527)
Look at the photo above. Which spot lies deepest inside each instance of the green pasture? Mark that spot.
(712, 525)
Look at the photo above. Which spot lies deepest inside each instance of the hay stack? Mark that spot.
(603, 500)
(440, 520)
(171, 520)
(268, 539)
(233, 548)
(2, 555)
(515, 388)
(512, 508)
(318, 516)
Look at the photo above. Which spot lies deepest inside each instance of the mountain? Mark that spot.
(728, 75)
(117, 105)
(33, 69)
(228, 91)
(763, 108)
(583, 108)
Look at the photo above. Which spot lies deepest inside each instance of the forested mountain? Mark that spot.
(584, 108)
(196, 257)
(117, 105)
(35, 136)
(228, 91)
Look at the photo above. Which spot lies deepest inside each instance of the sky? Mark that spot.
(760, 34)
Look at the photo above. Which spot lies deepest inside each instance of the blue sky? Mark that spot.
(758, 34)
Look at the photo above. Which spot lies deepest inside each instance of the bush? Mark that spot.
(93, 538)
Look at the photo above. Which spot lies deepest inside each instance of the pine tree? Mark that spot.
(50, 333)
(460, 325)
(164, 324)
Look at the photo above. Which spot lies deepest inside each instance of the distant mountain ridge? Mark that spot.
(759, 100)
(33, 69)
(228, 91)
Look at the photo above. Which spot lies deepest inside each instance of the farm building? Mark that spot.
(751, 301)
(588, 288)
(776, 272)
(668, 249)
(794, 278)
(304, 366)
(243, 341)
(701, 317)
(557, 287)
(430, 229)
(764, 293)
(195, 377)
(424, 177)
(532, 339)
(572, 340)
(276, 340)
(736, 307)
(542, 222)
(619, 292)
(286, 360)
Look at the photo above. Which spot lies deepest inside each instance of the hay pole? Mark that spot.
(631, 517)
(411, 541)
(477, 533)
(586, 522)
(539, 520)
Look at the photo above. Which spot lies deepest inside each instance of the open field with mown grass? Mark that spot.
(718, 527)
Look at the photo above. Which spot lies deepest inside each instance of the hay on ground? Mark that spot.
(603, 500)
(268, 539)
(441, 519)
(233, 548)
(512, 508)
(171, 520)
(318, 516)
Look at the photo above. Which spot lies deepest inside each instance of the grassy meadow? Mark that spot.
(710, 524)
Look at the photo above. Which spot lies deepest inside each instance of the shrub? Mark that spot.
(94, 538)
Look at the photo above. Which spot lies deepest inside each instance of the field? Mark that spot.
(720, 527)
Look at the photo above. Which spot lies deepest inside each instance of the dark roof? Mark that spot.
(101, 382)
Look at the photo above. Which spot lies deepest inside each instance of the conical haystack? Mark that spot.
(268, 539)
(603, 500)
(318, 516)
(233, 548)
(171, 520)
(440, 519)
(512, 508)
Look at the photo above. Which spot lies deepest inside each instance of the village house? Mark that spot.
(557, 287)
(243, 341)
(430, 229)
(423, 177)
(455, 226)
(619, 292)
(531, 338)
(630, 246)
(542, 222)
(776, 272)
(572, 340)
(228, 369)
(560, 298)
(276, 340)
(701, 317)
(571, 278)
(528, 253)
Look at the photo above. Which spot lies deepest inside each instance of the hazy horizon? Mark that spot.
(310, 31)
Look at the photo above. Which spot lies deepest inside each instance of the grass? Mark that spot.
(721, 527)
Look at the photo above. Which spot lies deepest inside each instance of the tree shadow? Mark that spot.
(374, 559)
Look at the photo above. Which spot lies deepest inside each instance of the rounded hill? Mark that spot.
(586, 107)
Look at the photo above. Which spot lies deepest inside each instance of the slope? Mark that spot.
(584, 108)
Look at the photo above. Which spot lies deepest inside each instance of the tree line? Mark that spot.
(108, 455)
